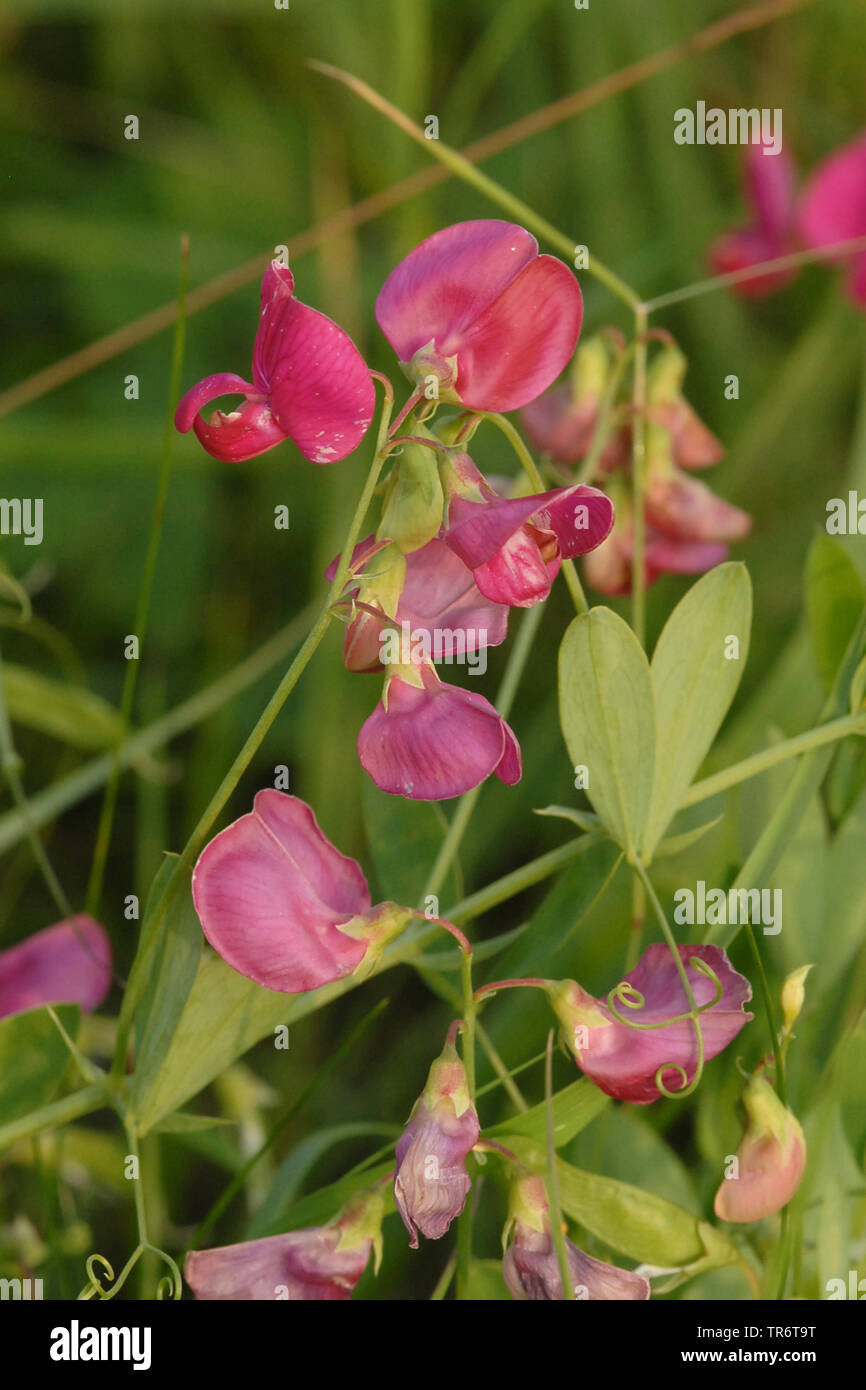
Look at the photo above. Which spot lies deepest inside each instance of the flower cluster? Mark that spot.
(688, 529)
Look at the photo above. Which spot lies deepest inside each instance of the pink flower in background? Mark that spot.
(69, 963)
(429, 741)
(609, 568)
(310, 384)
(515, 546)
(478, 308)
(431, 1183)
(530, 1266)
(622, 1060)
(560, 426)
(684, 509)
(281, 905)
(771, 1158)
(833, 208)
(770, 185)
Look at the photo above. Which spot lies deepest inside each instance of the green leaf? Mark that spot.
(295, 1167)
(70, 713)
(184, 1122)
(33, 1058)
(573, 1109)
(171, 972)
(485, 1283)
(585, 819)
(405, 838)
(675, 844)
(608, 720)
(694, 682)
(835, 594)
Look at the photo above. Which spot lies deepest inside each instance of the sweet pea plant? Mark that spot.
(486, 329)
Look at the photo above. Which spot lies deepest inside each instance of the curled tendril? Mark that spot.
(170, 1284)
(631, 998)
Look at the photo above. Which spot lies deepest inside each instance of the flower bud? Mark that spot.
(793, 995)
(414, 501)
(431, 1183)
(770, 1161)
(530, 1267)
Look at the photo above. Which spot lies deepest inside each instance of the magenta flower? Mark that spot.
(431, 1183)
(515, 546)
(624, 1060)
(69, 963)
(770, 182)
(310, 384)
(833, 208)
(530, 1267)
(440, 609)
(771, 1158)
(281, 905)
(429, 741)
(476, 307)
(321, 1263)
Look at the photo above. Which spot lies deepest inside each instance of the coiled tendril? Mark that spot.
(631, 998)
(170, 1285)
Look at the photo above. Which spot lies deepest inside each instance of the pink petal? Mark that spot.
(517, 574)
(303, 1265)
(446, 284)
(833, 206)
(210, 389)
(686, 509)
(69, 963)
(278, 288)
(521, 343)
(747, 247)
(478, 530)
(769, 1175)
(771, 184)
(321, 390)
(436, 742)
(241, 435)
(270, 891)
(666, 556)
(440, 593)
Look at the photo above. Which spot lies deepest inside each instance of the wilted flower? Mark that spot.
(515, 546)
(770, 1161)
(431, 1182)
(770, 183)
(624, 1058)
(530, 1266)
(310, 384)
(282, 906)
(429, 741)
(320, 1263)
(476, 309)
(69, 963)
(833, 208)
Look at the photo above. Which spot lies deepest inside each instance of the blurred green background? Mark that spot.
(242, 147)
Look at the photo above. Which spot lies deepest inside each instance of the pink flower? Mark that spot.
(439, 603)
(428, 741)
(515, 546)
(431, 1183)
(771, 194)
(623, 1061)
(478, 308)
(310, 384)
(771, 1159)
(321, 1263)
(609, 568)
(684, 509)
(69, 963)
(530, 1266)
(281, 905)
(833, 208)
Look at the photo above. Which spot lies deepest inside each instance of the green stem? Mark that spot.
(688, 1086)
(770, 1011)
(552, 1183)
(517, 658)
(469, 1010)
(142, 610)
(638, 430)
(518, 880)
(514, 437)
(771, 757)
(11, 764)
(53, 1116)
(48, 804)
(461, 167)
